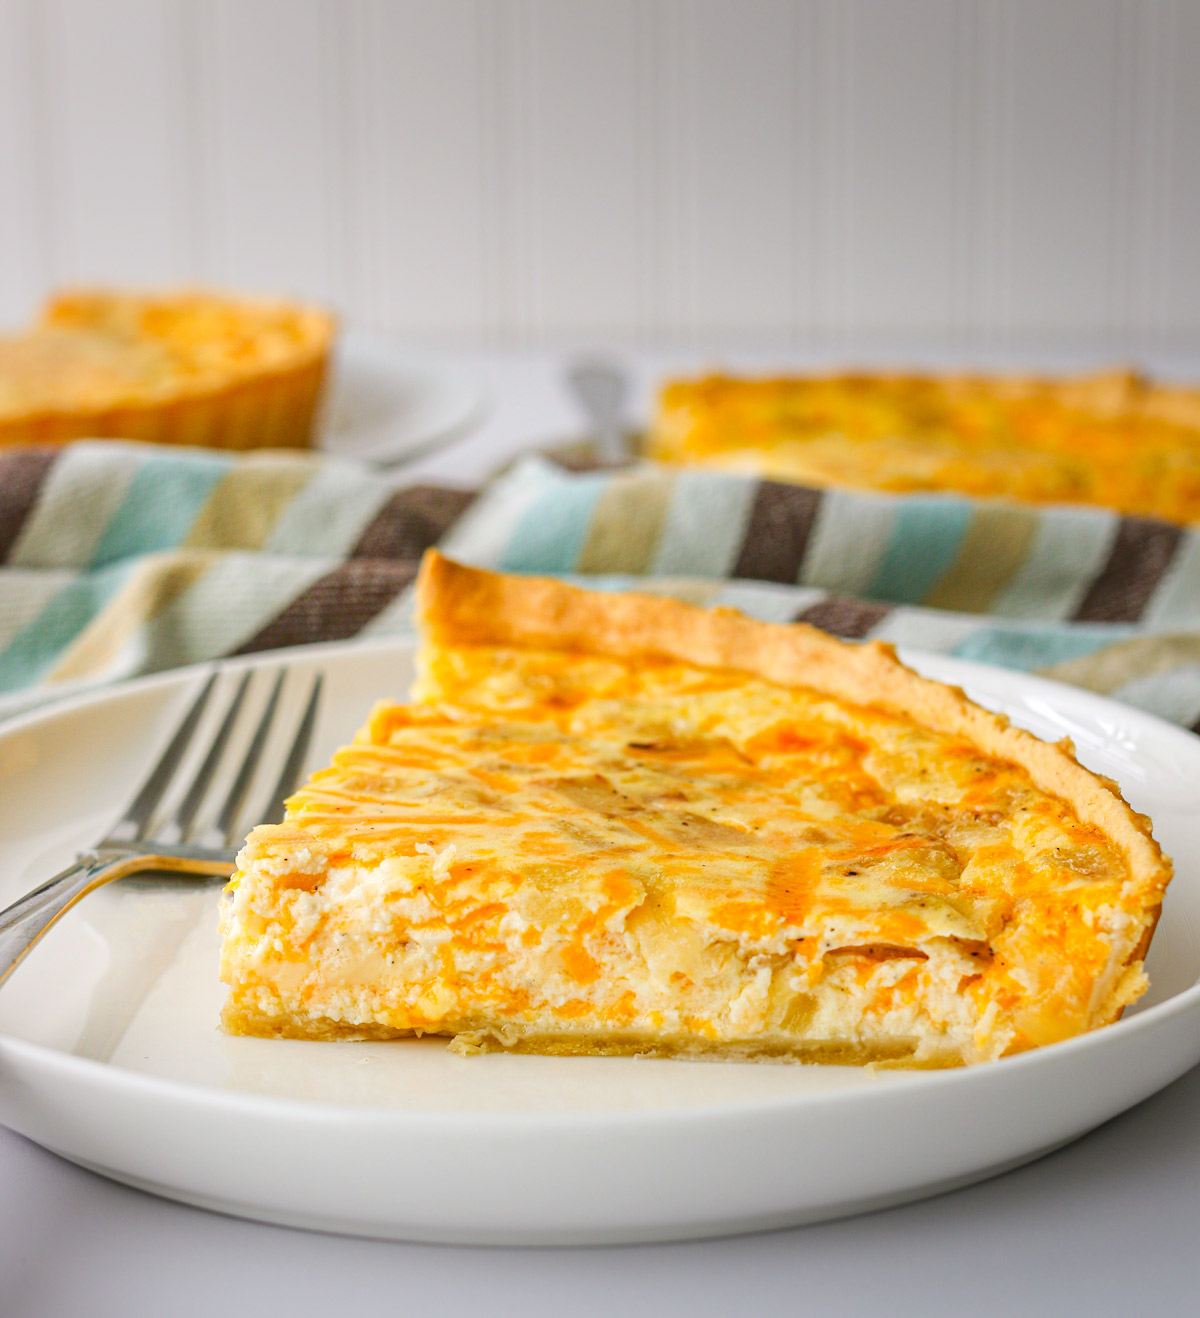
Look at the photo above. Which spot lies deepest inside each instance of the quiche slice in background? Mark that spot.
(1115, 439)
(614, 823)
(190, 367)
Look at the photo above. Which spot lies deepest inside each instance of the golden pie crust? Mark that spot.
(1116, 439)
(191, 367)
(614, 823)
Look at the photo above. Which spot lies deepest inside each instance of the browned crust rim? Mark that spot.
(470, 606)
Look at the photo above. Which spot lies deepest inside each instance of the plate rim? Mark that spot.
(371, 348)
(90, 1071)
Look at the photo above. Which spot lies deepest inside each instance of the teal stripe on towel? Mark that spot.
(161, 504)
(1029, 648)
(550, 535)
(36, 648)
(925, 537)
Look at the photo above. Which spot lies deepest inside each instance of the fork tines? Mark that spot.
(222, 833)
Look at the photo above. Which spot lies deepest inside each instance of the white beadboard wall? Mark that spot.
(974, 173)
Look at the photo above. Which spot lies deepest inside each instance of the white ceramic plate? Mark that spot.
(385, 405)
(110, 1055)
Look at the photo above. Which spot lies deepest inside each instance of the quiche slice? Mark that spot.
(190, 368)
(619, 824)
(1116, 439)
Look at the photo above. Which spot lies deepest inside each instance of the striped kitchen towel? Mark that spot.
(1080, 594)
(120, 559)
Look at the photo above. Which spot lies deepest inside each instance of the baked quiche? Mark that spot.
(1115, 439)
(187, 368)
(612, 823)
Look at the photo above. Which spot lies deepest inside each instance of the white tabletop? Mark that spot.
(1104, 1226)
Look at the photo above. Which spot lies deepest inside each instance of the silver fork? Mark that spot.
(601, 390)
(133, 846)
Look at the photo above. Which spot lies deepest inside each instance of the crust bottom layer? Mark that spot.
(470, 1039)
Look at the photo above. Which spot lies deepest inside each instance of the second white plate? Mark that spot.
(110, 1052)
(385, 405)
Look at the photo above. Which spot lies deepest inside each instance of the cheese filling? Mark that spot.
(565, 852)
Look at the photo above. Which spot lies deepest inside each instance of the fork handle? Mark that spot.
(28, 918)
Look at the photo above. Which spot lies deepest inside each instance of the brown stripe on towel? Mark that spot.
(777, 532)
(335, 606)
(22, 474)
(411, 522)
(1141, 553)
(839, 615)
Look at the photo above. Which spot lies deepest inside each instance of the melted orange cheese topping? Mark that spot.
(610, 846)
(1114, 440)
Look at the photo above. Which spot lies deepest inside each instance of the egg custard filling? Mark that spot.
(618, 824)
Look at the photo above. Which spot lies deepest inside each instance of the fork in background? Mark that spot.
(135, 844)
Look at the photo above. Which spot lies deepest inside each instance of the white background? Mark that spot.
(972, 173)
